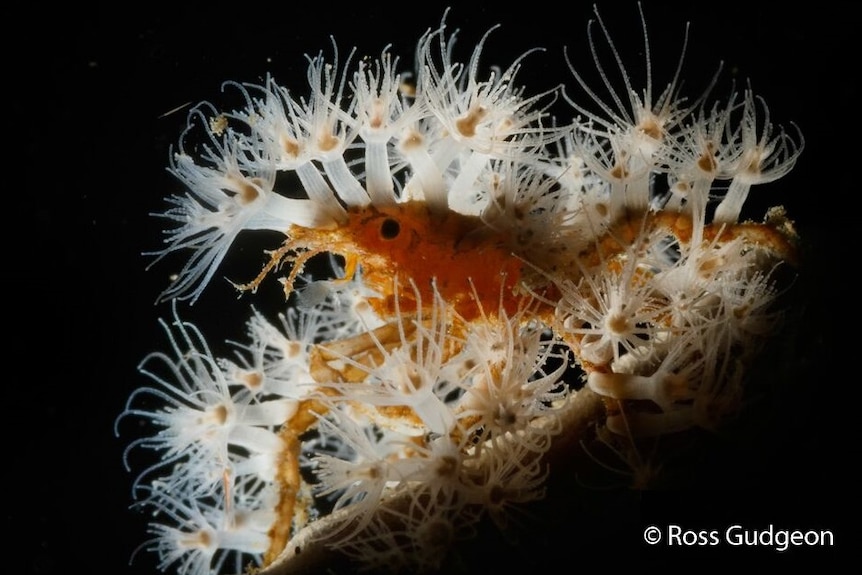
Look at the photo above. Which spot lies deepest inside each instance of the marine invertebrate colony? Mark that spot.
(475, 250)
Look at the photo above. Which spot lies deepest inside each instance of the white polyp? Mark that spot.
(428, 174)
(468, 172)
(378, 176)
(347, 187)
(265, 413)
(637, 184)
(243, 540)
(731, 206)
(622, 385)
(255, 439)
(319, 191)
(279, 213)
(662, 388)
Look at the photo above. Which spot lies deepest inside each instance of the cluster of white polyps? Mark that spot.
(479, 249)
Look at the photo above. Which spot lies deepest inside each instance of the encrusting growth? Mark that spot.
(490, 267)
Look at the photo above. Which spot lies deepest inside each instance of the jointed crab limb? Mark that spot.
(314, 548)
(288, 476)
(298, 254)
(776, 234)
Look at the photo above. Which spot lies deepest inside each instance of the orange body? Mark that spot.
(469, 263)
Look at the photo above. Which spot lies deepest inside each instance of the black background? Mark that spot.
(87, 101)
